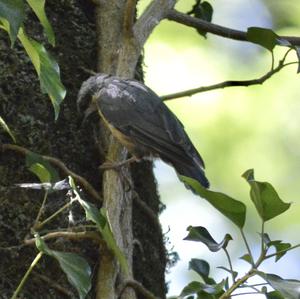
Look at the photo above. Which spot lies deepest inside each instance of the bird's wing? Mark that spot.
(138, 112)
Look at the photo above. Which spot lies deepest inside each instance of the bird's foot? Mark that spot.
(117, 165)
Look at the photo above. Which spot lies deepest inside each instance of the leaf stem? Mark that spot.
(237, 284)
(281, 251)
(41, 209)
(40, 225)
(25, 277)
(230, 264)
(247, 246)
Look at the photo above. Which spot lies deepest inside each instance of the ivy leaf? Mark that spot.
(74, 266)
(41, 168)
(11, 17)
(200, 234)
(263, 37)
(265, 198)
(47, 70)
(39, 9)
(7, 129)
(202, 268)
(233, 209)
(288, 288)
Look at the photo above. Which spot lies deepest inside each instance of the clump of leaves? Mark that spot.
(268, 205)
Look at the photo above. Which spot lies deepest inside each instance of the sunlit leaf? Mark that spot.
(265, 198)
(41, 168)
(288, 288)
(11, 17)
(7, 129)
(47, 70)
(229, 207)
(74, 266)
(39, 9)
(200, 234)
(263, 37)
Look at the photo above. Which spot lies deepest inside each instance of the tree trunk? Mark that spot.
(130, 195)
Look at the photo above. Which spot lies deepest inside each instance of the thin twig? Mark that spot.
(58, 163)
(247, 246)
(25, 277)
(282, 251)
(230, 83)
(230, 264)
(38, 226)
(226, 32)
(139, 289)
(53, 284)
(41, 210)
(67, 235)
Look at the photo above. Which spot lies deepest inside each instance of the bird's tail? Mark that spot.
(193, 172)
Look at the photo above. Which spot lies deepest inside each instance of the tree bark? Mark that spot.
(82, 33)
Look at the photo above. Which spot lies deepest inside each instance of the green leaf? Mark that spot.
(75, 267)
(203, 11)
(41, 168)
(196, 287)
(266, 200)
(47, 70)
(274, 295)
(39, 9)
(288, 288)
(11, 17)
(7, 129)
(200, 234)
(247, 258)
(233, 209)
(263, 37)
(100, 218)
(278, 245)
(202, 268)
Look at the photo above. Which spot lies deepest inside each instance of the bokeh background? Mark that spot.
(234, 129)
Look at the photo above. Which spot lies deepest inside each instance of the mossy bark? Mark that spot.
(81, 147)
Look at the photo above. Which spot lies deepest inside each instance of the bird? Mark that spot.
(142, 122)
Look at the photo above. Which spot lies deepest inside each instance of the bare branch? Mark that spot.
(230, 83)
(226, 32)
(138, 287)
(79, 179)
(68, 235)
(154, 13)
